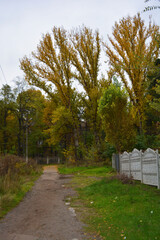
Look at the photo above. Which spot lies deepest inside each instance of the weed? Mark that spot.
(125, 179)
(16, 178)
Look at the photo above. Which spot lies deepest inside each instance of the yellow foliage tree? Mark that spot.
(50, 69)
(62, 58)
(133, 47)
(51, 66)
(85, 57)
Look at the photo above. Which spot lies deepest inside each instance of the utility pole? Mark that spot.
(27, 141)
(27, 127)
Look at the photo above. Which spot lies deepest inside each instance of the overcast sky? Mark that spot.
(22, 23)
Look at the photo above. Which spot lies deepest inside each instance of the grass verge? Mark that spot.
(9, 199)
(117, 210)
(86, 171)
(16, 179)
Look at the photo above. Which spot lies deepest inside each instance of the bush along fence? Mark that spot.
(143, 166)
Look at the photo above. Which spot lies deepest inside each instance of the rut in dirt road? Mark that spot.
(43, 215)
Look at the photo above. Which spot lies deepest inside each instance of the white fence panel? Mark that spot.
(135, 158)
(125, 163)
(150, 167)
(142, 166)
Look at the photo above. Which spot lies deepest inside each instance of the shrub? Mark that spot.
(14, 165)
(123, 178)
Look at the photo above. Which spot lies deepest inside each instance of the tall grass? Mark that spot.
(16, 178)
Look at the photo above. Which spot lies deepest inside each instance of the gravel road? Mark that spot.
(43, 214)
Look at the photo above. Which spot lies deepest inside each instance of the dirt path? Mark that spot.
(43, 215)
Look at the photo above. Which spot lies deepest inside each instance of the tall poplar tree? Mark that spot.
(50, 70)
(133, 48)
(63, 58)
(86, 49)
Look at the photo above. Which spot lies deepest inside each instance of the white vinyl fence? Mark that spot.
(141, 166)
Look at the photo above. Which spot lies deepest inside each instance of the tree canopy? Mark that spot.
(83, 116)
(134, 48)
(153, 7)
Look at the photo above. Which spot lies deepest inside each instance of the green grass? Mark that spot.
(116, 210)
(86, 171)
(16, 190)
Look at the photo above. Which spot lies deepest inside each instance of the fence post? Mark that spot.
(113, 161)
(141, 155)
(158, 174)
(120, 168)
(117, 162)
(130, 164)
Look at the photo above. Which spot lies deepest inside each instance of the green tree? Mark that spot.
(117, 117)
(151, 109)
(21, 86)
(156, 102)
(7, 106)
(30, 110)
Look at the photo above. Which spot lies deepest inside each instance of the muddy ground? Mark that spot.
(43, 214)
